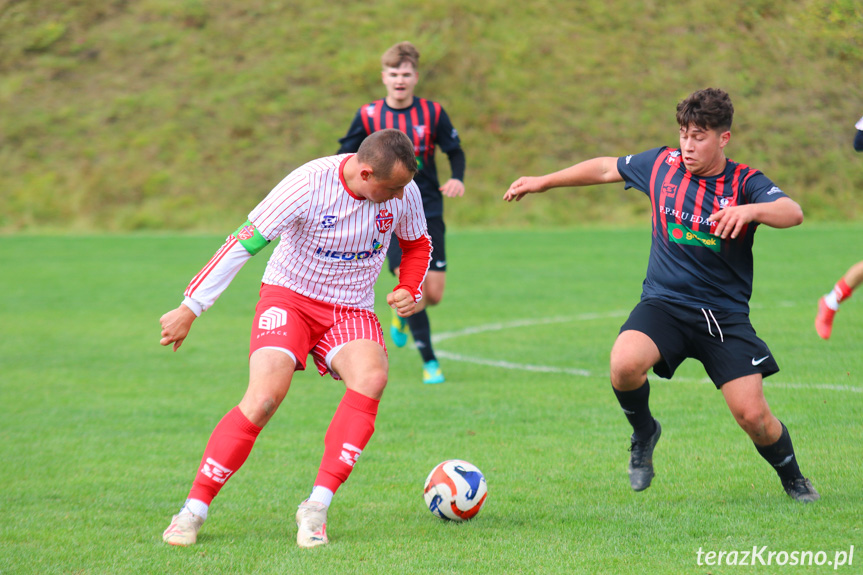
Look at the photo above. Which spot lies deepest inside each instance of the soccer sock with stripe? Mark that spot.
(635, 406)
(421, 332)
(229, 447)
(781, 456)
(840, 292)
(350, 430)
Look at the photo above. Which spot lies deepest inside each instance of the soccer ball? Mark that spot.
(455, 490)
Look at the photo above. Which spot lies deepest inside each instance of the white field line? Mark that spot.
(502, 326)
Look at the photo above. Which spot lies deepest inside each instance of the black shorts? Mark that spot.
(725, 343)
(436, 229)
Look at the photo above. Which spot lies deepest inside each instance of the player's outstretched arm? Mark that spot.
(601, 170)
(783, 213)
(176, 325)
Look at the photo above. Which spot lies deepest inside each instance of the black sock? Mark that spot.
(421, 332)
(781, 456)
(634, 404)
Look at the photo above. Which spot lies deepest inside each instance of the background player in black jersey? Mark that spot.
(829, 304)
(695, 298)
(429, 126)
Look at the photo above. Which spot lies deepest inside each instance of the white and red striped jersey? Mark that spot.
(332, 243)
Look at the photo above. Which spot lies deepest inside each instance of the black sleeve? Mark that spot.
(355, 136)
(858, 141)
(447, 140)
(457, 163)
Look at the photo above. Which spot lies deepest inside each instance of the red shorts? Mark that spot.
(292, 322)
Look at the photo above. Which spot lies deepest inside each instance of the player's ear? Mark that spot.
(724, 138)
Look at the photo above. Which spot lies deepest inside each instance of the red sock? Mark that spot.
(227, 450)
(349, 432)
(842, 290)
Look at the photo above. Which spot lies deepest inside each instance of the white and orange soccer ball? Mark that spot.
(455, 490)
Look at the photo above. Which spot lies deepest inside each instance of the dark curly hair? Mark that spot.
(709, 109)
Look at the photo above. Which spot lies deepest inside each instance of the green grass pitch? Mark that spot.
(101, 429)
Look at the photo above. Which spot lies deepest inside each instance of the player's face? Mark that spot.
(380, 190)
(702, 150)
(400, 83)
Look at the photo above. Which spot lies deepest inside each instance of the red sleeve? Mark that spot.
(416, 255)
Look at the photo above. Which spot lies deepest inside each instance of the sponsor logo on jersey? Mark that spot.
(774, 190)
(384, 221)
(669, 190)
(328, 222)
(273, 318)
(628, 159)
(685, 216)
(337, 255)
(683, 235)
(246, 232)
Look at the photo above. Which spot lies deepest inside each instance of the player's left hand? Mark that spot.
(453, 188)
(402, 301)
(523, 186)
(730, 221)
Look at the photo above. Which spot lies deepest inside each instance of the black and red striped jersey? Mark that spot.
(428, 126)
(688, 264)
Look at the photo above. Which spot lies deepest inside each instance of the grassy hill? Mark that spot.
(182, 114)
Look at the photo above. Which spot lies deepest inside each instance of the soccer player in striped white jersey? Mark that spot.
(335, 218)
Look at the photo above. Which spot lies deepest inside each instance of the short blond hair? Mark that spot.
(399, 54)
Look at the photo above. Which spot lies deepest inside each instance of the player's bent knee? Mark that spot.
(753, 421)
(371, 384)
(627, 373)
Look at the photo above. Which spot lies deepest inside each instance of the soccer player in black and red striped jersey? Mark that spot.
(429, 126)
(828, 305)
(695, 299)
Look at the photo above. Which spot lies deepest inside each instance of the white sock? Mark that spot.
(831, 300)
(321, 495)
(197, 507)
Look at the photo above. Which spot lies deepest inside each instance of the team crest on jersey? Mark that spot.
(328, 222)
(669, 190)
(370, 110)
(673, 158)
(384, 221)
(724, 202)
(420, 130)
(246, 232)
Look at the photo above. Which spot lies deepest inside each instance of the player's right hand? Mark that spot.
(175, 326)
(402, 302)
